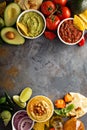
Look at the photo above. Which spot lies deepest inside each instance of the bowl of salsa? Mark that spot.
(68, 33)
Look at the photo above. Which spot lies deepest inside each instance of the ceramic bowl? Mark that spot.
(20, 119)
(40, 108)
(67, 34)
(34, 23)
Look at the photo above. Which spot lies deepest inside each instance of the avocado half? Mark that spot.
(11, 14)
(11, 36)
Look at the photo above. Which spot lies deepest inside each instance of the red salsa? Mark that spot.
(68, 32)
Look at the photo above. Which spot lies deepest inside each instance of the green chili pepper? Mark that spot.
(9, 100)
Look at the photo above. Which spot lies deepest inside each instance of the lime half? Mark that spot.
(18, 102)
(25, 94)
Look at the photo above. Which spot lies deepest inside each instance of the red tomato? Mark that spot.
(47, 7)
(50, 35)
(64, 12)
(61, 2)
(52, 22)
(82, 42)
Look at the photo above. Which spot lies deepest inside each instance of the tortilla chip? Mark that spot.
(83, 16)
(29, 4)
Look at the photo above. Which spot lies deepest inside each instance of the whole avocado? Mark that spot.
(78, 6)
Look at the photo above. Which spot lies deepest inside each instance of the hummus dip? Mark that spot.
(40, 108)
(34, 23)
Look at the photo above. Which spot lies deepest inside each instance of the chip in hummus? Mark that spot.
(80, 105)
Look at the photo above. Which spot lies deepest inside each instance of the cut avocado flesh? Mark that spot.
(11, 13)
(11, 36)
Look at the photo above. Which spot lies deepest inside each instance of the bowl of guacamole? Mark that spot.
(31, 24)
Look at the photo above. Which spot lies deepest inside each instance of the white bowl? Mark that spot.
(61, 39)
(38, 13)
(23, 114)
(40, 108)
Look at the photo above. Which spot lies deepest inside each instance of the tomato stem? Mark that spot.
(58, 9)
(52, 13)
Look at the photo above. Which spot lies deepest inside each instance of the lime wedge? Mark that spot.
(18, 102)
(25, 94)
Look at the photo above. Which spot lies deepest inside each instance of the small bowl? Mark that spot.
(40, 108)
(31, 20)
(64, 33)
(19, 119)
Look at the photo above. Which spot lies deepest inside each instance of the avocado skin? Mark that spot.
(77, 7)
(18, 40)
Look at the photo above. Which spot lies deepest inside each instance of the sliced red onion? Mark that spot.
(18, 117)
(25, 123)
(21, 121)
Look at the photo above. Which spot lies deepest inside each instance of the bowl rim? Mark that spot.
(31, 10)
(50, 103)
(67, 43)
(16, 114)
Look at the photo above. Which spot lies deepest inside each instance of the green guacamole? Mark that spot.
(34, 23)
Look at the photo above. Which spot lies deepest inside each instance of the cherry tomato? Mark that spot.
(52, 22)
(61, 2)
(82, 42)
(50, 35)
(64, 12)
(47, 7)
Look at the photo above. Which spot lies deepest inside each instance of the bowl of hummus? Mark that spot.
(31, 24)
(40, 108)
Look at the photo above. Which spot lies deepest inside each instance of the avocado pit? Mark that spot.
(10, 35)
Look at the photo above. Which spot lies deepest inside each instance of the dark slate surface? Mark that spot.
(50, 68)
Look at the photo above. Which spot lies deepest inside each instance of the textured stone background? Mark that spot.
(49, 67)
